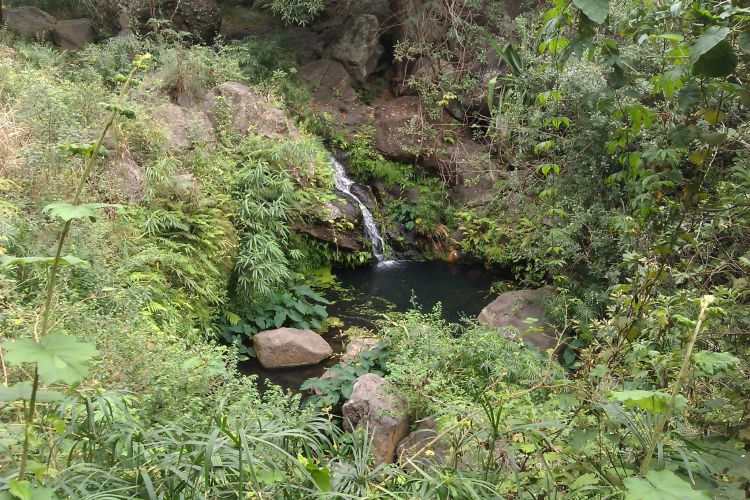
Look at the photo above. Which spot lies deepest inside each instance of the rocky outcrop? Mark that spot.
(359, 48)
(183, 127)
(511, 312)
(73, 34)
(200, 18)
(30, 22)
(335, 222)
(290, 347)
(421, 447)
(374, 406)
(240, 108)
(332, 93)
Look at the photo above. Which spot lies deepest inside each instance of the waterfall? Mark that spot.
(344, 184)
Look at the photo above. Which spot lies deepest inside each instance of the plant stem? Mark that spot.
(706, 300)
(52, 279)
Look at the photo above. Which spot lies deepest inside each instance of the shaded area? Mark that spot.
(366, 292)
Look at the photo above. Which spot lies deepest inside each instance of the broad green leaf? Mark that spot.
(682, 135)
(707, 41)
(22, 392)
(662, 485)
(24, 490)
(744, 40)
(66, 211)
(70, 260)
(595, 10)
(59, 358)
(651, 401)
(714, 363)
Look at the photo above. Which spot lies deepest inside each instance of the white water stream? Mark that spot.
(344, 184)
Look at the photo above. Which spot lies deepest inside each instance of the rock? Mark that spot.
(200, 18)
(335, 222)
(341, 239)
(357, 346)
(242, 109)
(329, 81)
(73, 34)
(184, 128)
(421, 447)
(374, 406)
(289, 347)
(359, 48)
(511, 309)
(30, 22)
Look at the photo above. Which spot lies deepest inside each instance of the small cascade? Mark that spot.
(344, 184)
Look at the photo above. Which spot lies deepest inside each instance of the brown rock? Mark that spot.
(73, 34)
(357, 346)
(242, 109)
(359, 48)
(184, 128)
(421, 446)
(374, 406)
(289, 347)
(30, 22)
(513, 309)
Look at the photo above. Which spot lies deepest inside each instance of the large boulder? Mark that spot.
(30, 22)
(200, 18)
(332, 93)
(241, 108)
(521, 312)
(422, 447)
(359, 48)
(290, 347)
(73, 34)
(375, 406)
(184, 128)
(335, 222)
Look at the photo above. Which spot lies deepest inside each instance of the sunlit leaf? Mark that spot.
(663, 485)
(59, 358)
(651, 401)
(595, 10)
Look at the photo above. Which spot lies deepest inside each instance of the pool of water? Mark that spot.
(363, 294)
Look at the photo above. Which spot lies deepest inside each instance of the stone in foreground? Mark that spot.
(513, 309)
(375, 406)
(73, 34)
(422, 447)
(290, 347)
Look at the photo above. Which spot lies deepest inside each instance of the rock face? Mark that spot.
(336, 222)
(374, 405)
(200, 18)
(289, 347)
(359, 48)
(242, 109)
(30, 22)
(511, 309)
(73, 34)
(421, 447)
(184, 127)
(357, 346)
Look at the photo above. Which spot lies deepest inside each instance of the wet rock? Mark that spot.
(512, 309)
(73, 34)
(359, 48)
(421, 447)
(239, 107)
(290, 347)
(336, 222)
(184, 128)
(374, 406)
(30, 22)
(357, 346)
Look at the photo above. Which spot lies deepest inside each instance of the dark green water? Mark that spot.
(365, 293)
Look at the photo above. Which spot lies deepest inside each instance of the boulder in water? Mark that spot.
(375, 406)
(515, 309)
(290, 347)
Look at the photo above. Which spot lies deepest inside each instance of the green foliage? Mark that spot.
(336, 388)
(300, 307)
(660, 484)
(58, 358)
(368, 165)
(295, 11)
